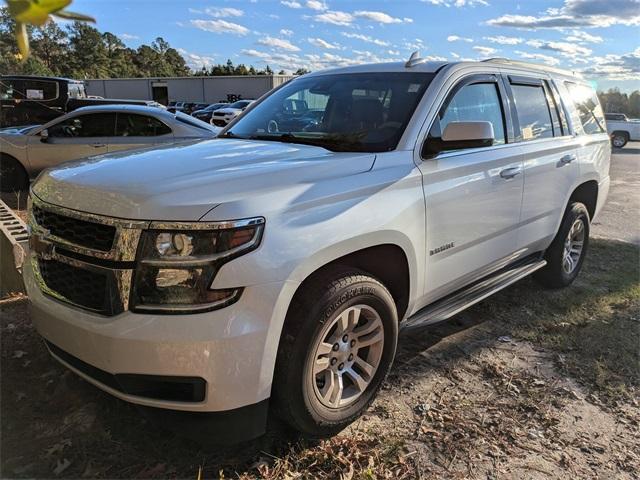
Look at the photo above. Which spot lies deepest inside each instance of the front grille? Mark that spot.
(80, 232)
(219, 114)
(82, 287)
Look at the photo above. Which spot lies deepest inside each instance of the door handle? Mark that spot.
(98, 145)
(510, 172)
(567, 159)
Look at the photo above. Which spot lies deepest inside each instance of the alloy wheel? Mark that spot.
(346, 356)
(573, 246)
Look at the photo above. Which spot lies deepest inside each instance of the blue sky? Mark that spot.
(598, 37)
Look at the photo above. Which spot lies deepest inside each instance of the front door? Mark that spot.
(473, 196)
(72, 138)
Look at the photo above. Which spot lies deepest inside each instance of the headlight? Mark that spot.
(177, 265)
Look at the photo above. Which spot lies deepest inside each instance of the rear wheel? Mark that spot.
(619, 139)
(566, 253)
(13, 176)
(337, 347)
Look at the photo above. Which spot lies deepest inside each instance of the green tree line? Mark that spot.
(614, 101)
(81, 51)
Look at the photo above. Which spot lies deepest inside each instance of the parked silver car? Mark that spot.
(25, 152)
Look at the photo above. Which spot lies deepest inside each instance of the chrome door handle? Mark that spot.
(510, 172)
(568, 159)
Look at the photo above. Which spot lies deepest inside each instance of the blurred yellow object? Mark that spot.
(36, 12)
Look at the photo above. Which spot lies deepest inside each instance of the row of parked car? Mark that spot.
(218, 114)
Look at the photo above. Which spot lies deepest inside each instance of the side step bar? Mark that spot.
(458, 301)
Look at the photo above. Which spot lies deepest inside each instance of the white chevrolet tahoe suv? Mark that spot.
(271, 269)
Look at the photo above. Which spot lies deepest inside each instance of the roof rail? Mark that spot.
(520, 63)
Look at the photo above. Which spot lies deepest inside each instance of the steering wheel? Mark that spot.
(272, 126)
(68, 131)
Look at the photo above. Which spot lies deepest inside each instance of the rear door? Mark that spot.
(550, 157)
(473, 196)
(76, 136)
(135, 130)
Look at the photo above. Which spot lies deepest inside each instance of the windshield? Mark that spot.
(239, 104)
(365, 112)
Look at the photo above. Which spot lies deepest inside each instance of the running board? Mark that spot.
(458, 301)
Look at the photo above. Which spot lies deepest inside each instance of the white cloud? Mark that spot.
(291, 4)
(614, 67)
(416, 44)
(286, 33)
(546, 59)
(502, 40)
(456, 38)
(343, 19)
(366, 38)
(577, 13)
(485, 51)
(379, 17)
(223, 12)
(317, 5)
(195, 61)
(128, 36)
(583, 37)
(278, 43)
(457, 3)
(220, 26)
(564, 48)
(319, 42)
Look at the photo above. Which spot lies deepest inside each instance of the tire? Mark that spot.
(561, 271)
(13, 176)
(619, 139)
(307, 401)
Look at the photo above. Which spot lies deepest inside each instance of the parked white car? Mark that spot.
(223, 116)
(25, 152)
(622, 130)
(271, 269)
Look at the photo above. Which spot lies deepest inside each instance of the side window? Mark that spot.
(534, 114)
(132, 125)
(90, 125)
(588, 106)
(473, 102)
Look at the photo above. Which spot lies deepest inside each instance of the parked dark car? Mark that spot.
(205, 113)
(29, 100)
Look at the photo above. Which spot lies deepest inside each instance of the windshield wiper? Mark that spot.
(341, 143)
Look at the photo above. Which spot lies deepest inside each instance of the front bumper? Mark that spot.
(230, 349)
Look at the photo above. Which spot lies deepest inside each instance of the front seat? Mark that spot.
(366, 114)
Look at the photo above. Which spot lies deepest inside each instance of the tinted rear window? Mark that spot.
(588, 106)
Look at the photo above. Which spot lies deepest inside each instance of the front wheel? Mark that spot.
(566, 253)
(13, 176)
(337, 347)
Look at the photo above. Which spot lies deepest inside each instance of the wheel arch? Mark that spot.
(586, 193)
(393, 272)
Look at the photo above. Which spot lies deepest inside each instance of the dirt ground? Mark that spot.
(529, 384)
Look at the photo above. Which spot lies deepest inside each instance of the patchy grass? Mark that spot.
(594, 325)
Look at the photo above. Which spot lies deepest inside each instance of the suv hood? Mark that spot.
(228, 110)
(182, 182)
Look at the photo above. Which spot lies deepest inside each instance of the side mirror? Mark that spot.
(44, 136)
(459, 135)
